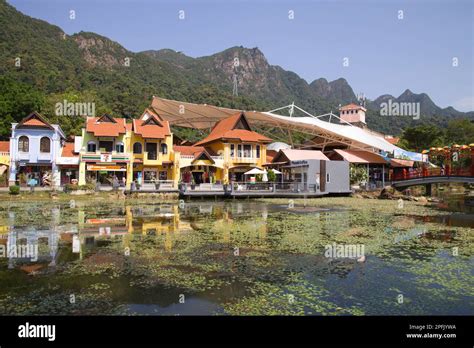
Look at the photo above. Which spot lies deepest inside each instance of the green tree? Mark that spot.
(17, 100)
(72, 124)
(460, 132)
(271, 175)
(421, 137)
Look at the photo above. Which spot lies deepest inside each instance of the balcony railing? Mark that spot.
(242, 187)
(157, 185)
(23, 156)
(244, 159)
(203, 187)
(289, 187)
(44, 156)
(151, 156)
(192, 157)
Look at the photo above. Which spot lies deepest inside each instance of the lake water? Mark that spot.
(106, 256)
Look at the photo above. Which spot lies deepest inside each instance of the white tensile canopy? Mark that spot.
(203, 116)
(350, 132)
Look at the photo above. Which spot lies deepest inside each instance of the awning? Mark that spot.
(398, 163)
(303, 155)
(109, 168)
(365, 157)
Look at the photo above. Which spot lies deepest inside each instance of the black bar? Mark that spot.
(106, 330)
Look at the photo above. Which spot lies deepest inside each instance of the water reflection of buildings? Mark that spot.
(168, 221)
(125, 224)
(22, 244)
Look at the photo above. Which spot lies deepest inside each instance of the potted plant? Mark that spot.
(271, 175)
(358, 177)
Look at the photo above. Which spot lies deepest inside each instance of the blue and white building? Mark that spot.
(35, 146)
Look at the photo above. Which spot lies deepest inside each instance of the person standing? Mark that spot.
(115, 183)
(32, 184)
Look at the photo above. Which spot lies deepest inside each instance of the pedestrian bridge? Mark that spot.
(431, 176)
(403, 183)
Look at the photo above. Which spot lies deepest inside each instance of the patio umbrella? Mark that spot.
(276, 171)
(254, 171)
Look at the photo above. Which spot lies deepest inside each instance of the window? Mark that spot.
(232, 150)
(149, 175)
(164, 149)
(239, 151)
(151, 149)
(91, 146)
(45, 145)
(106, 145)
(23, 144)
(247, 150)
(137, 148)
(119, 148)
(327, 177)
(257, 149)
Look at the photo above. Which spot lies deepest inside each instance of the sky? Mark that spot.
(428, 47)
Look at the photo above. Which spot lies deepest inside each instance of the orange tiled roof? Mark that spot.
(152, 128)
(188, 150)
(34, 120)
(192, 150)
(68, 150)
(226, 130)
(4, 146)
(151, 112)
(112, 127)
(271, 155)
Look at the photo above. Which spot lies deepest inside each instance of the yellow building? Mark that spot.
(4, 162)
(199, 165)
(238, 147)
(105, 151)
(152, 154)
(143, 151)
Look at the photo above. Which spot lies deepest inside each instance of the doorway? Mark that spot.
(151, 149)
